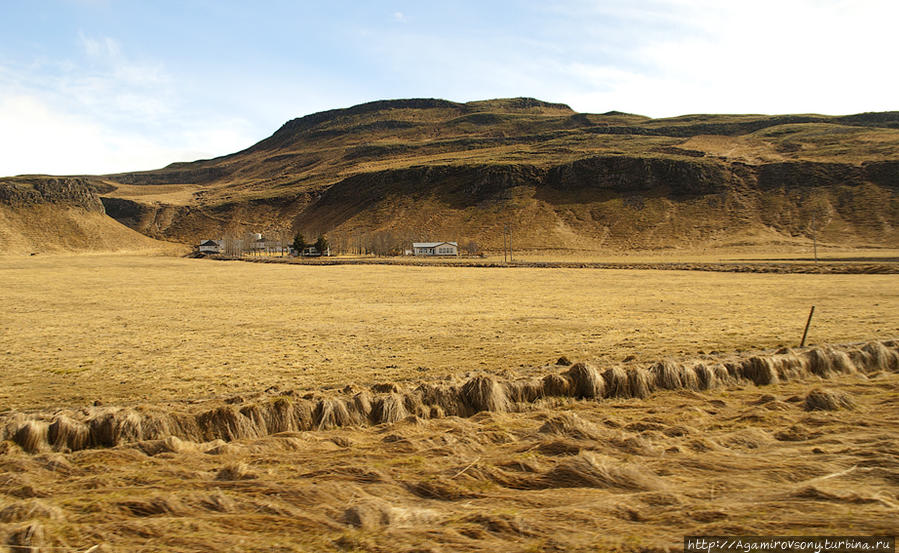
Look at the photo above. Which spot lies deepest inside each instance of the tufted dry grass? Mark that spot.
(622, 474)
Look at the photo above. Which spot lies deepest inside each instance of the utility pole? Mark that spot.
(504, 244)
(815, 236)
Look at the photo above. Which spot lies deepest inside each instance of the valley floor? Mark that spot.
(80, 329)
(83, 336)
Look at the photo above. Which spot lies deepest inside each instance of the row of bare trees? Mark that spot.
(384, 243)
(378, 243)
(240, 243)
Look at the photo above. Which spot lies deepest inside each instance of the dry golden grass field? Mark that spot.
(115, 328)
(164, 404)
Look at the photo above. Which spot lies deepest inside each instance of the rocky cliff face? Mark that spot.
(42, 214)
(77, 192)
(635, 175)
(599, 202)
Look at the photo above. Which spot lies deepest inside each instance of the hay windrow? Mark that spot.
(66, 433)
(639, 383)
(706, 377)
(882, 357)
(29, 509)
(760, 370)
(616, 382)
(271, 417)
(484, 393)
(388, 409)
(444, 398)
(825, 362)
(362, 401)
(31, 436)
(333, 413)
(789, 366)
(586, 470)
(673, 376)
(236, 471)
(226, 423)
(28, 538)
(722, 375)
(828, 400)
(524, 391)
(556, 385)
(586, 381)
(571, 425)
(154, 428)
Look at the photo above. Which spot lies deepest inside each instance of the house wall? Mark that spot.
(443, 249)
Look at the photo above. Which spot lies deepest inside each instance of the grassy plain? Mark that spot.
(577, 476)
(118, 329)
(560, 474)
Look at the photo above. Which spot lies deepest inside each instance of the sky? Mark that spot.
(100, 86)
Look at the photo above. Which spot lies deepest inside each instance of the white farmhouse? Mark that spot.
(211, 246)
(435, 248)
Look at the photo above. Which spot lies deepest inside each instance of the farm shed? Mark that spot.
(211, 246)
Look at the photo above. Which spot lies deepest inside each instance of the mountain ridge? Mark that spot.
(431, 168)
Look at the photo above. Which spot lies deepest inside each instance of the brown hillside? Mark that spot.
(52, 215)
(435, 169)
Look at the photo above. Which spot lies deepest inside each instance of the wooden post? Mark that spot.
(807, 324)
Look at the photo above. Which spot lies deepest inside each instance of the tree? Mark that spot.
(384, 242)
(819, 214)
(299, 244)
(321, 244)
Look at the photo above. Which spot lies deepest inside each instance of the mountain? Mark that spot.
(428, 169)
(40, 214)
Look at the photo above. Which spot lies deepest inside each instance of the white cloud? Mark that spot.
(103, 47)
(761, 57)
(400, 17)
(39, 139)
(109, 114)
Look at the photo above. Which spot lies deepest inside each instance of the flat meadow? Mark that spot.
(80, 329)
(161, 404)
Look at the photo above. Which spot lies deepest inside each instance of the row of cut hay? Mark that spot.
(107, 427)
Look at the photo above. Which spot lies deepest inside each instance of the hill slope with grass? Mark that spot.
(426, 169)
(63, 214)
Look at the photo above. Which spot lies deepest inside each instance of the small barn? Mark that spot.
(211, 246)
(435, 248)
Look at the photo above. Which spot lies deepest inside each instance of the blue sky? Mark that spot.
(97, 86)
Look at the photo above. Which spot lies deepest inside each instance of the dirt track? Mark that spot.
(840, 268)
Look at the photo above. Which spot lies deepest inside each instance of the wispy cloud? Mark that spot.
(103, 47)
(766, 56)
(665, 57)
(101, 112)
